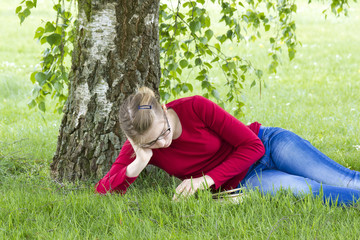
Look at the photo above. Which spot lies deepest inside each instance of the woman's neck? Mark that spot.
(176, 124)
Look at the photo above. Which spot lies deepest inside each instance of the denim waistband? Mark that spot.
(261, 130)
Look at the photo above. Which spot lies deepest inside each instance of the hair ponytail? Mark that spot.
(147, 94)
(136, 120)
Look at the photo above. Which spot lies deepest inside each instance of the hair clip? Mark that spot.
(144, 107)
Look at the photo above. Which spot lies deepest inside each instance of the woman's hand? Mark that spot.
(190, 186)
(143, 156)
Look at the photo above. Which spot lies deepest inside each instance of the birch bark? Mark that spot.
(116, 51)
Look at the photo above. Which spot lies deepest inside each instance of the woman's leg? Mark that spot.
(271, 181)
(291, 154)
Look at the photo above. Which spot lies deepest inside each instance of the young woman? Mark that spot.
(197, 141)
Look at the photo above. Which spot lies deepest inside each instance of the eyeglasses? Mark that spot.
(162, 135)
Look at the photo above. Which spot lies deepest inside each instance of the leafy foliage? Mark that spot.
(188, 42)
(188, 45)
(58, 37)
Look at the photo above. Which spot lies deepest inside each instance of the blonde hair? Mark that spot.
(136, 120)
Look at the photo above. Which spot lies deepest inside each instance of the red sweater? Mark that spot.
(212, 142)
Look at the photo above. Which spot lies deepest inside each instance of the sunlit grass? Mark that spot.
(316, 95)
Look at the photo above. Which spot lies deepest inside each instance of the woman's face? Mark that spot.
(159, 135)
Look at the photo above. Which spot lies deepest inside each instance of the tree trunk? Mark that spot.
(116, 51)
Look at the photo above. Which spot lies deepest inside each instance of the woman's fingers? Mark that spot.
(185, 189)
(190, 186)
(182, 194)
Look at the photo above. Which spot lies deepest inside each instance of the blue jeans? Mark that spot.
(291, 162)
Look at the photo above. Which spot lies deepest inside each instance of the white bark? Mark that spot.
(102, 30)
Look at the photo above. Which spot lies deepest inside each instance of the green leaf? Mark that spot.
(58, 30)
(215, 93)
(225, 67)
(258, 73)
(244, 68)
(189, 55)
(42, 106)
(229, 34)
(18, 9)
(190, 86)
(203, 40)
(178, 70)
(67, 15)
(184, 47)
(291, 53)
(198, 62)
(26, 12)
(209, 52)
(165, 72)
(46, 88)
(43, 40)
(269, 5)
(253, 84)
(208, 65)
(31, 104)
(58, 86)
(205, 84)
(54, 39)
(195, 26)
(49, 27)
(273, 66)
(185, 88)
(201, 78)
(183, 63)
(39, 32)
(164, 95)
(209, 34)
(231, 65)
(215, 59)
(62, 98)
(32, 77)
(267, 28)
(29, 4)
(207, 21)
(59, 110)
(56, 7)
(41, 78)
(171, 67)
(222, 38)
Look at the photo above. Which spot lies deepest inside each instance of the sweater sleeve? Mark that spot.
(248, 148)
(116, 180)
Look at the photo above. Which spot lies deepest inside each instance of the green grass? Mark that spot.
(316, 95)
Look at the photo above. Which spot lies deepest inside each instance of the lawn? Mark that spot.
(316, 95)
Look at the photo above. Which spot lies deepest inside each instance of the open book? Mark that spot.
(231, 196)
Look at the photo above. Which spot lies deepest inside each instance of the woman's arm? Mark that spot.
(248, 148)
(124, 170)
(143, 156)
